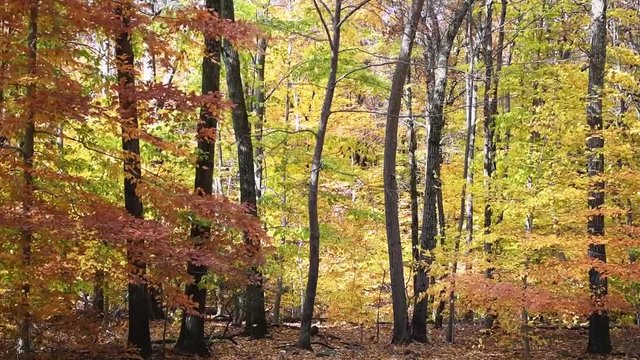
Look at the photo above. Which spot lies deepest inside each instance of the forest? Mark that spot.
(291, 179)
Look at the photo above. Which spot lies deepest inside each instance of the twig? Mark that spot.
(323, 344)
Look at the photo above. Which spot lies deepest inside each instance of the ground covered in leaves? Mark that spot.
(345, 341)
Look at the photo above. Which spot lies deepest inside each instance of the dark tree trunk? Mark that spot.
(413, 169)
(490, 106)
(436, 58)
(139, 336)
(26, 235)
(304, 338)
(401, 330)
(256, 322)
(98, 293)
(599, 337)
(192, 338)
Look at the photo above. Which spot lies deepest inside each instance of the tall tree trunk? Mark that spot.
(259, 108)
(466, 197)
(284, 222)
(256, 322)
(26, 234)
(524, 327)
(490, 106)
(599, 337)
(139, 336)
(304, 338)
(413, 168)
(401, 330)
(191, 338)
(437, 58)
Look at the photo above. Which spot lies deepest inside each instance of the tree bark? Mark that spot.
(284, 222)
(413, 168)
(436, 58)
(599, 337)
(191, 338)
(304, 338)
(259, 108)
(26, 234)
(466, 197)
(401, 330)
(490, 106)
(139, 336)
(256, 322)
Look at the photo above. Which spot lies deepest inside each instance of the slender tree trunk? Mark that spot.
(26, 235)
(526, 337)
(304, 338)
(259, 108)
(437, 58)
(99, 302)
(466, 197)
(139, 336)
(413, 169)
(149, 76)
(490, 106)
(490, 109)
(192, 338)
(401, 330)
(256, 324)
(98, 293)
(599, 337)
(284, 222)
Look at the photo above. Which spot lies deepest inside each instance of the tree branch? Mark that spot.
(353, 11)
(324, 23)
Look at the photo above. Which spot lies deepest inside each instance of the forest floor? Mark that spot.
(353, 342)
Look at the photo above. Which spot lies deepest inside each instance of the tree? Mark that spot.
(256, 322)
(401, 331)
(26, 235)
(191, 338)
(139, 335)
(333, 36)
(466, 197)
(436, 56)
(599, 338)
(258, 106)
(490, 110)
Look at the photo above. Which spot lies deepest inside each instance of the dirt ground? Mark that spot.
(344, 341)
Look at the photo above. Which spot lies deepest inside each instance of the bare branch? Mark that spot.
(282, 79)
(353, 11)
(324, 23)
(345, 75)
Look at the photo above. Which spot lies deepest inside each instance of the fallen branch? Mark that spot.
(323, 344)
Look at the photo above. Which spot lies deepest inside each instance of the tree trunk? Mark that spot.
(599, 337)
(304, 338)
(256, 324)
(466, 197)
(437, 58)
(401, 330)
(284, 222)
(490, 106)
(139, 336)
(413, 168)
(26, 235)
(192, 338)
(98, 293)
(259, 108)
